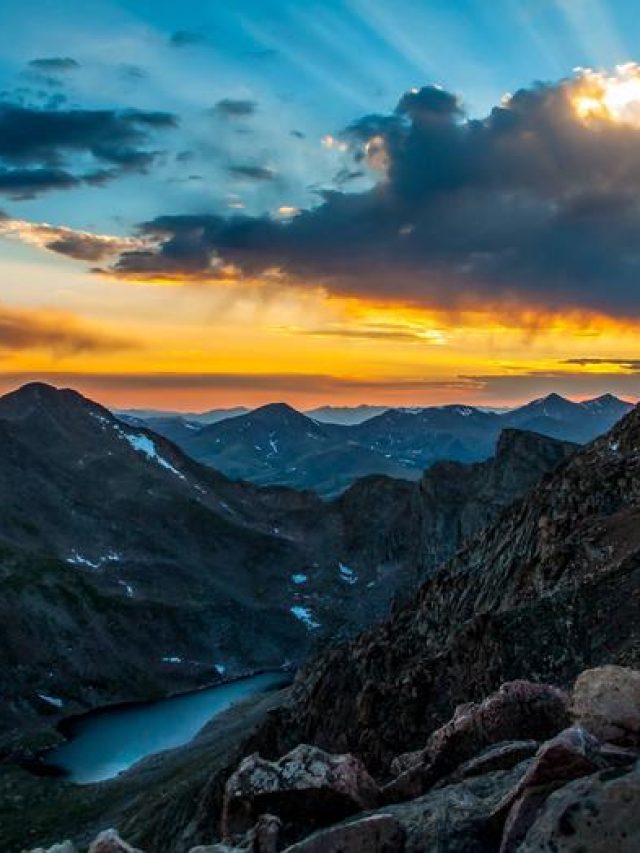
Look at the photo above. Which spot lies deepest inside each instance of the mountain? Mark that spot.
(211, 416)
(561, 418)
(549, 589)
(278, 445)
(130, 570)
(345, 415)
(121, 556)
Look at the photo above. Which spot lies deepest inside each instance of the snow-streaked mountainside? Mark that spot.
(128, 569)
(328, 449)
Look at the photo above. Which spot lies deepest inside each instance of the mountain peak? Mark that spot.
(39, 396)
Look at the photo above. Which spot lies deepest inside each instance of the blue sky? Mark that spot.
(380, 200)
(310, 67)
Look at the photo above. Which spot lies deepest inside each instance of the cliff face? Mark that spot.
(546, 591)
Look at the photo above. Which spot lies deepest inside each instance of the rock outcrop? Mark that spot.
(307, 788)
(548, 590)
(598, 814)
(606, 701)
(519, 709)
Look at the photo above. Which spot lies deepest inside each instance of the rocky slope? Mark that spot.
(548, 589)
(129, 570)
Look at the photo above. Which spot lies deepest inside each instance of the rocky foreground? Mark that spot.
(530, 768)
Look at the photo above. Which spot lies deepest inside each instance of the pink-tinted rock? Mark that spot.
(597, 814)
(606, 701)
(518, 710)
(307, 789)
(570, 755)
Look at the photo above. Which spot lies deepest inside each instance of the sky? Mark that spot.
(398, 202)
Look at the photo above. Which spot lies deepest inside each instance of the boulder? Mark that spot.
(606, 701)
(522, 815)
(456, 818)
(64, 847)
(110, 842)
(518, 710)
(599, 814)
(503, 756)
(378, 833)
(571, 754)
(306, 789)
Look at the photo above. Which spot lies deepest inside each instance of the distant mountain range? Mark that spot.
(328, 449)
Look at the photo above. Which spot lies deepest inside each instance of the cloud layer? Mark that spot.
(537, 204)
(52, 331)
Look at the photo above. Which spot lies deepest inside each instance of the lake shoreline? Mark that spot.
(70, 728)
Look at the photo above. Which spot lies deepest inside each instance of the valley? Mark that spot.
(132, 572)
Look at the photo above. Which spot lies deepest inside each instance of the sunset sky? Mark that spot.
(401, 202)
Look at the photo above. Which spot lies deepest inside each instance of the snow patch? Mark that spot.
(144, 445)
(127, 588)
(51, 700)
(78, 560)
(220, 668)
(299, 578)
(306, 616)
(172, 659)
(347, 574)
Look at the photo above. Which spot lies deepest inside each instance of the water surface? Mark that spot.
(106, 742)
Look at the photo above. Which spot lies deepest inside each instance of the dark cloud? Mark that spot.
(252, 173)
(235, 108)
(23, 330)
(38, 145)
(21, 184)
(185, 38)
(133, 73)
(529, 206)
(54, 64)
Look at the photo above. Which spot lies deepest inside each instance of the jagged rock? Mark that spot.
(264, 836)
(110, 842)
(598, 814)
(379, 833)
(503, 756)
(64, 847)
(307, 788)
(606, 701)
(519, 709)
(455, 819)
(570, 755)
(522, 815)
(549, 589)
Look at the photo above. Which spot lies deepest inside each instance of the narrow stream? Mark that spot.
(104, 743)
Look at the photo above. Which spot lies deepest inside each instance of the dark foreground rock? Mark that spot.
(307, 788)
(519, 709)
(598, 814)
